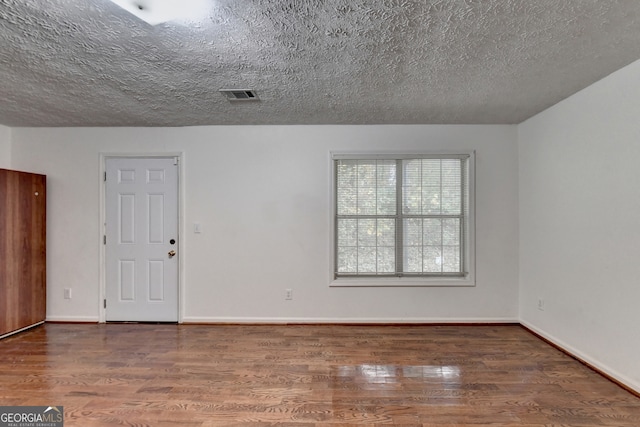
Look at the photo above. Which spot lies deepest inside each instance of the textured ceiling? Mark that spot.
(90, 63)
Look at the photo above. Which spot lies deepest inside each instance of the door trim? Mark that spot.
(102, 225)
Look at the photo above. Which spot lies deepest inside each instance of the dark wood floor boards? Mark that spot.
(304, 375)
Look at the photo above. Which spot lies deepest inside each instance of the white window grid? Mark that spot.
(400, 245)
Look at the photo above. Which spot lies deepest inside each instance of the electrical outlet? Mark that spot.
(540, 304)
(288, 294)
(67, 293)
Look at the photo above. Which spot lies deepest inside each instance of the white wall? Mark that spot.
(262, 196)
(5, 147)
(580, 223)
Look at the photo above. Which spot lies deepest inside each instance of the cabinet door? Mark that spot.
(22, 250)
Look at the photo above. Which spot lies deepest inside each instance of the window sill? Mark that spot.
(401, 282)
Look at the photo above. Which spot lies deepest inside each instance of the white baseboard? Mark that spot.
(347, 320)
(303, 320)
(622, 379)
(73, 319)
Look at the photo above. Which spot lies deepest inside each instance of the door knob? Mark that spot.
(172, 253)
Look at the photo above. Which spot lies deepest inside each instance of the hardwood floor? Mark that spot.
(196, 375)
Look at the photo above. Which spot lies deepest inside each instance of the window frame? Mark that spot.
(408, 280)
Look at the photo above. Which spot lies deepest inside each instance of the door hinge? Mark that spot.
(175, 161)
(105, 177)
(105, 303)
(104, 239)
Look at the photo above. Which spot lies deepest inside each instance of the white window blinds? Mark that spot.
(401, 216)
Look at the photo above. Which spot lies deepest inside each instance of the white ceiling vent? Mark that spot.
(240, 94)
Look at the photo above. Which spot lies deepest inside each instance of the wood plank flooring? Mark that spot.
(262, 375)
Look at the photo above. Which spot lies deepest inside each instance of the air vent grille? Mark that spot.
(240, 94)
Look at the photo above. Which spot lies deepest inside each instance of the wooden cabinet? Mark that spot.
(22, 250)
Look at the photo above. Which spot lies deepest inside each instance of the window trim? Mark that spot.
(406, 280)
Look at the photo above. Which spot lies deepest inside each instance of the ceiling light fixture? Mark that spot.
(155, 12)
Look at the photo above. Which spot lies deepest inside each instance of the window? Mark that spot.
(402, 216)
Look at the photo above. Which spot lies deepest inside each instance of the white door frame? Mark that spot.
(103, 230)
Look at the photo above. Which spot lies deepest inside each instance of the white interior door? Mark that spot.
(141, 240)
